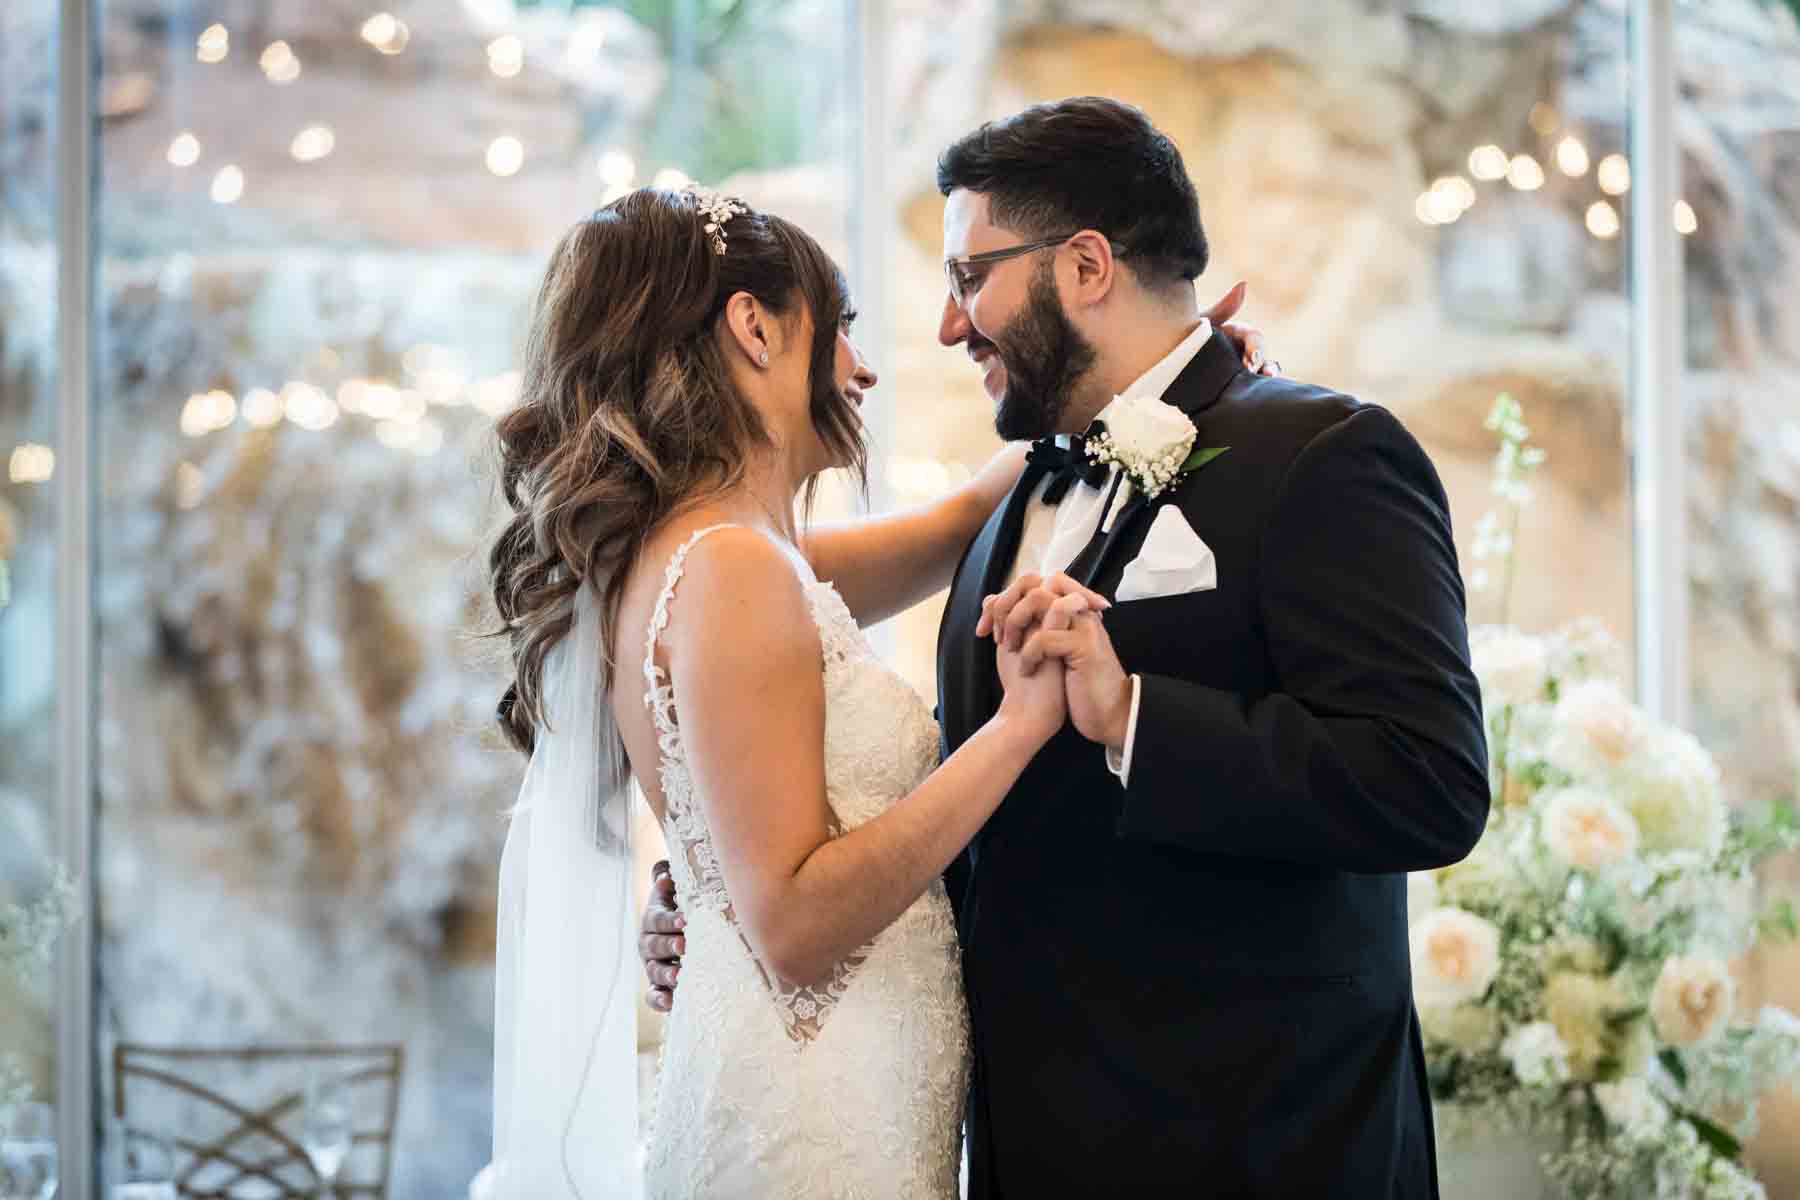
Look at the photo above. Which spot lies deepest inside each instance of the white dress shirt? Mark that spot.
(1054, 534)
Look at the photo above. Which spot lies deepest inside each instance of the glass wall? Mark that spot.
(31, 909)
(319, 234)
(1738, 71)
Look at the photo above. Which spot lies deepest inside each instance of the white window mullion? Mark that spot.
(1658, 363)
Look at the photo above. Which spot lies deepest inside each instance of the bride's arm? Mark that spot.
(885, 564)
(744, 658)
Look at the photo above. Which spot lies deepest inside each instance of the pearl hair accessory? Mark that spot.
(717, 208)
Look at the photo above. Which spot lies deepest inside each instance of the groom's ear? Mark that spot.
(1096, 270)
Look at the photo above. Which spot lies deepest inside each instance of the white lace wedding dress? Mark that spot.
(852, 1088)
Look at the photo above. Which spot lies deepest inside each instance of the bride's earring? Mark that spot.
(763, 359)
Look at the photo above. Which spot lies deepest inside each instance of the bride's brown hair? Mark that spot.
(627, 412)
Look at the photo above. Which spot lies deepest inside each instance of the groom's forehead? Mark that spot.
(967, 229)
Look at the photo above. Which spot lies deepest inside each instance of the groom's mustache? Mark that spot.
(976, 344)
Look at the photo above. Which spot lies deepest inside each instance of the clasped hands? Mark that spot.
(1055, 617)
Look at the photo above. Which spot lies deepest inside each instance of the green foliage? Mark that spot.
(1780, 922)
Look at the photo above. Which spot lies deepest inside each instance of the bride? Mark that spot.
(689, 374)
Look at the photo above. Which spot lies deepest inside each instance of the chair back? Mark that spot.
(234, 1120)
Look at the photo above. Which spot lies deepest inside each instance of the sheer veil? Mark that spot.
(565, 1012)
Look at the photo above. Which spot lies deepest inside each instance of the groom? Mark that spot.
(1184, 931)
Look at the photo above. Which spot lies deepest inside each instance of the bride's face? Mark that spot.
(851, 378)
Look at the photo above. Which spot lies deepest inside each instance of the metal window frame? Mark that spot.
(77, 49)
(1659, 533)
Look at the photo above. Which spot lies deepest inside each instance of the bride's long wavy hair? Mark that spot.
(627, 412)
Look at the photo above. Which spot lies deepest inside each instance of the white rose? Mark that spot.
(1595, 729)
(1145, 430)
(1673, 792)
(1692, 1000)
(1455, 957)
(1633, 1108)
(1512, 667)
(1537, 1054)
(1776, 1021)
(1470, 1028)
(1581, 1006)
(1587, 829)
(1421, 894)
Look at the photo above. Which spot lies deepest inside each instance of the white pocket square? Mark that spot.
(1173, 561)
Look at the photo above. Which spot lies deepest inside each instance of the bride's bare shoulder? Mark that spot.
(734, 573)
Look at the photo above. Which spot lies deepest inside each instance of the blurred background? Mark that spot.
(316, 229)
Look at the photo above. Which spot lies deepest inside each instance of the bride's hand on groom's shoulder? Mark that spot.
(661, 941)
(1248, 339)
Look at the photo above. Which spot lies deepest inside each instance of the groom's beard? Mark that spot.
(1045, 356)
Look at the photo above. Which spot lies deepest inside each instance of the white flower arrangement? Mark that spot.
(1617, 884)
(1152, 442)
(28, 932)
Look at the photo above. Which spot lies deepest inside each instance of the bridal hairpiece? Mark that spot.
(717, 208)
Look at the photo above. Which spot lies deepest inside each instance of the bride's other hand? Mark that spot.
(1248, 339)
(1036, 699)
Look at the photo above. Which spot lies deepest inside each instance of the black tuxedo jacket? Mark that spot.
(1198, 983)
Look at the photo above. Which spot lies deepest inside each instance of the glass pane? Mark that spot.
(29, 897)
(1739, 129)
(1426, 245)
(319, 241)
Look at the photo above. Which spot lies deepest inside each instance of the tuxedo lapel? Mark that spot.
(1196, 389)
(968, 680)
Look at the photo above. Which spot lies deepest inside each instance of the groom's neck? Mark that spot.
(1125, 351)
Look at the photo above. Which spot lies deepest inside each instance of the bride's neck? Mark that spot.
(767, 491)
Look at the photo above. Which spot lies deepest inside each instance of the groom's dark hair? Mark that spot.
(1087, 162)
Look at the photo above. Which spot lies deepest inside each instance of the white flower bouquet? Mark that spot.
(28, 933)
(1571, 974)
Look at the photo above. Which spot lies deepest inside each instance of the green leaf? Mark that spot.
(1721, 1141)
(1624, 1017)
(1780, 922)
(1672, 1063)
(1200, 458)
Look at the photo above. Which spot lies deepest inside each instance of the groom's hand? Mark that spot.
(1058, 618)
(661, 942)
(1010, 614)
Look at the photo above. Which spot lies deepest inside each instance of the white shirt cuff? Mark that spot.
(1120, 764)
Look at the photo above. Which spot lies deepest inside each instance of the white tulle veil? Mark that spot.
(565, 1010)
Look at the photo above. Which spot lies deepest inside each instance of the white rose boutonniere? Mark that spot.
(1152, 442)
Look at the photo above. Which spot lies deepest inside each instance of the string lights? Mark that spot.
(31, 462)
(1448, 197)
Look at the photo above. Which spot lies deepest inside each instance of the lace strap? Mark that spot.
(657, 693)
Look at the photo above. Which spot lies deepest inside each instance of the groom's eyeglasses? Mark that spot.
(966, 274)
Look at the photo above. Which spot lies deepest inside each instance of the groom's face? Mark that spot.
(1012, 323)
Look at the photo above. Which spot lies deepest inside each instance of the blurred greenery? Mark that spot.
(734, 100)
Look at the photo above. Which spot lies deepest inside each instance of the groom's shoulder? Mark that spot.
(1281, 417)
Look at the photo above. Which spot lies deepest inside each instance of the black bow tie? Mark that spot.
(1066, 465)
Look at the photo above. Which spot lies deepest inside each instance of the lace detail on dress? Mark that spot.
(867, 1106)
(802, 1008)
